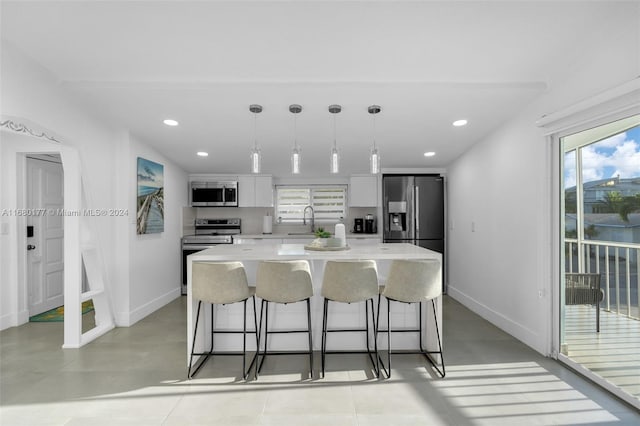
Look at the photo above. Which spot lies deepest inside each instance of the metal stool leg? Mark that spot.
(381, 366)
(244, 344)
(435, 318)
(193, 344)
(376, 364)
(389, 337)
(264, 308)
(310, 338)
(244, 339)
(323, 347)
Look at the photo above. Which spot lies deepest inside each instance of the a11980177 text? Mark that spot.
(64, 212)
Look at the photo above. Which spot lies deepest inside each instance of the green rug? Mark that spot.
(57, 314)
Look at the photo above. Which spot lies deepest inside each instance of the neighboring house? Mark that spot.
(595, 192)
(607, 227)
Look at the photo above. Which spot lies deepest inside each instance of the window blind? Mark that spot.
(328, 202)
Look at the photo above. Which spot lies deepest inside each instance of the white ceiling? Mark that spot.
(203, 63)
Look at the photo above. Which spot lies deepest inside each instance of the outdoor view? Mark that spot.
(610, 196)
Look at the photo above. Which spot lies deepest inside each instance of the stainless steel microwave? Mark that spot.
(213, 194)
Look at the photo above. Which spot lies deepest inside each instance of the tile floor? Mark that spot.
(136, 376)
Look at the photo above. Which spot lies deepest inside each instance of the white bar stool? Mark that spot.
(222, 283)
(412, 281)
(283, 282)
(350, 281)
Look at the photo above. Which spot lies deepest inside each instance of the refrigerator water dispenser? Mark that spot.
(397, 215)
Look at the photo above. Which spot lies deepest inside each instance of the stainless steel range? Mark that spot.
(208, 233)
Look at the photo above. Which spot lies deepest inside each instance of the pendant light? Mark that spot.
(295, 154)
(256, 155)
(374, 156)
(334, 162)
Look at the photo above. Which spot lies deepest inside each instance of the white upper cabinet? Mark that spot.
(264, 191)
(363, 191)
(255, 191)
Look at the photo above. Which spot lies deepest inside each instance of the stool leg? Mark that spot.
(212, 329)
(244, 339)
(265, 309)
(366, 329)
(389, 337)
(366, 317)
(376, 364)
(323, 347)
(258, 338)
(420, 325)
(257, 335)
(381, 366)
(435, 318)
(193, 344)
(310, 339)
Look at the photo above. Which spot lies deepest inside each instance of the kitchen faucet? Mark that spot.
(312, 218)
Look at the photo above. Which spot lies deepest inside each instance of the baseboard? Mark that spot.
(515, 329)
(14, 320)
(6, 321)
(132, 317)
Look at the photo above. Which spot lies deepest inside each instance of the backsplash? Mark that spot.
(251, 218)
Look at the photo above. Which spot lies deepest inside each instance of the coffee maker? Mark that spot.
(369, 224)
(358, 225)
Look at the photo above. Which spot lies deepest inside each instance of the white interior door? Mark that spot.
(45, 258)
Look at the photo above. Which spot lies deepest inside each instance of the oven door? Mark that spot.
(188, 249)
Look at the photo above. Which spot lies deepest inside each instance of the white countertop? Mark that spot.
(374, 251)
(303, 236)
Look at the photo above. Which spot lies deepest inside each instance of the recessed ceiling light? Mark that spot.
(429, 154)
(459, 123)
(202, 154)
(170, 122)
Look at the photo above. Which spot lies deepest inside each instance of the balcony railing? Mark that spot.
(617, 263)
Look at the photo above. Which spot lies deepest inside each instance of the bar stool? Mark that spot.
(283, 282)
(221, 283)
(412, 281)
(350, 281)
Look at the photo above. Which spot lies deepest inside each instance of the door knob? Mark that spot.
(31, 247)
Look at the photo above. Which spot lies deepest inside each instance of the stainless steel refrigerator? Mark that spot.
(413, 210)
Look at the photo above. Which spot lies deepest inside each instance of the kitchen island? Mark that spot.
(294, 315)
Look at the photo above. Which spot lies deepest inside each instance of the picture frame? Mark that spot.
(150, 197)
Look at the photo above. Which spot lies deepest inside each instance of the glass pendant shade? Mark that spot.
(296, 156)
(295, 160)
(256, 160)
(374, 155)
(374, 161)
(334, 160)
(256, 156)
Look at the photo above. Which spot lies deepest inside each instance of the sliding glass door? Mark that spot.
(599, 297)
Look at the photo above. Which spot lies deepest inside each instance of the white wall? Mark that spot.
(107, 159)
(502, 188)
(154, 271)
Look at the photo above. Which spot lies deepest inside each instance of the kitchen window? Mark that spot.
(328, 202)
